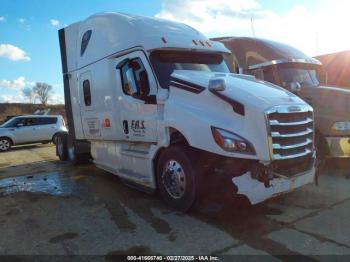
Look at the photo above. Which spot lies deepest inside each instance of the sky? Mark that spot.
(29, 48)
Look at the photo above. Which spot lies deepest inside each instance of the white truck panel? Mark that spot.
(75, 104)
(129, 161)
(71, 37)
(116, 32)
(185, 112)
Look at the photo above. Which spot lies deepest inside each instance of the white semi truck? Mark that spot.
(154, 102)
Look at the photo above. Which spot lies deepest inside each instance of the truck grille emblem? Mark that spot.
(294, 109)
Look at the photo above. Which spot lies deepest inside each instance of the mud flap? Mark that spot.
(256, 191)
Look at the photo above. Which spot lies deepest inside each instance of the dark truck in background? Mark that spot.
(291, 69)
(335, 70)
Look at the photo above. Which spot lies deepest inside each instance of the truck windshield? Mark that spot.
(305, 76)
(165, 62)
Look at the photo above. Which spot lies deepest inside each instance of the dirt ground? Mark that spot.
(50, 207)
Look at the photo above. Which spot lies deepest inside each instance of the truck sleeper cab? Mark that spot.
(335, 70)
(289, 68)
(154, 102)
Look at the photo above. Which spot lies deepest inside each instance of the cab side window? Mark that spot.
(259, 74)
(87, 92)
(32, 121)
(85, 41)
(134, 78)
(268, 75)
(47, 120)
(18, 122)
(265, 74)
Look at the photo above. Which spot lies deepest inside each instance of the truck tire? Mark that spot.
(5, 144)
(62, 147)
(176, 177)
(77, 159)
(54, 138)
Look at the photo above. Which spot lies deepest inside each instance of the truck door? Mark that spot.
(90, 122)
(136, 101)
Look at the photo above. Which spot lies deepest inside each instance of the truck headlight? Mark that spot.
(341, 126)
(231, 142)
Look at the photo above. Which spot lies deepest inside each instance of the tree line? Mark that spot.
(40, 91)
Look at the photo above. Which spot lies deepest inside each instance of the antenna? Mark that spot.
(252, 25)
(316, 42)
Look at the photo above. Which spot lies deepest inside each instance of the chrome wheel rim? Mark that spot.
(174, 179)
(4, 144)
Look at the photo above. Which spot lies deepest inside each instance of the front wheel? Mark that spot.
(176, 176)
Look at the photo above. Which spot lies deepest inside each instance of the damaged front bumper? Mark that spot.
(257, 192)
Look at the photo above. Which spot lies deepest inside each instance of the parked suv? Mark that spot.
(30, 129)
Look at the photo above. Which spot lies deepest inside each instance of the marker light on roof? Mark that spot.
(200, 41)
(164, 40)
(194, 41)
(208, 43)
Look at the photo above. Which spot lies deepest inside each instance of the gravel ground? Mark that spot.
(49, 207)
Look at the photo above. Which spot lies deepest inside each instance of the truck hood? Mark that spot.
(331, 104)
(328, 99)
(244, 89)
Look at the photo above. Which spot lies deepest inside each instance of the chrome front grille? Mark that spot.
(291, 131)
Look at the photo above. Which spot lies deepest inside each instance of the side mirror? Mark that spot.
(162, 95)
(217, 84)
(134, 78)
(144, 84)
(132, 86)
(122, 63)
(294, 86)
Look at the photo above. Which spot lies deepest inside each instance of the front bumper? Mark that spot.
(338, 146)
(256, 191)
